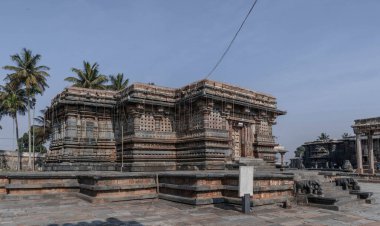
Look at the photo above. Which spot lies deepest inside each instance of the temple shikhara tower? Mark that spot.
(204, 125)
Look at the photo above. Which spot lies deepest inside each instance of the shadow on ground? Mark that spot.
(108, 222)
(225, 206)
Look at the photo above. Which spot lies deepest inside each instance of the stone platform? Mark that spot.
(71, 211)
(190, 187)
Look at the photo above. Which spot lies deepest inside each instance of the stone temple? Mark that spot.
(206, 125)
(173, 144)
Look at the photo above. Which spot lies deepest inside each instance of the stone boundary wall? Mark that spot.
(8, 160)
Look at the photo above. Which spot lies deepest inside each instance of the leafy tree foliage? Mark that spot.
(323, 137)
(299, 151)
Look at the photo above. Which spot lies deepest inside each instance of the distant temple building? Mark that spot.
(362, 150)
(204, 125)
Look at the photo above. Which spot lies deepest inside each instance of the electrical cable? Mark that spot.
(232, 41)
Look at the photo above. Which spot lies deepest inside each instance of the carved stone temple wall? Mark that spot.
(145, 127)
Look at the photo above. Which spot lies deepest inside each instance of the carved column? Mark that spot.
(136, 121)
(359, 160)
(256, 133)
(370, 153)
(249, 140)
(206, 112)
(282, 159)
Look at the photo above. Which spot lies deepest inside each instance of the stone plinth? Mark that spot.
(191, 187)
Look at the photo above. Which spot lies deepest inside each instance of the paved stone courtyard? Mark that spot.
(73, 211)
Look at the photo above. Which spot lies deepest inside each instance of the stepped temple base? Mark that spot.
(259, 164)
(78, 166)
(191, 187)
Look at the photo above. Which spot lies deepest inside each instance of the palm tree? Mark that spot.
(89, 77)
(323, 137)
(13, 101)
(42, 127)
(27, 72)
(117, 82)
(299, 151)
(1, 114)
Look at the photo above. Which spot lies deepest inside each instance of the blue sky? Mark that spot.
(320, 58)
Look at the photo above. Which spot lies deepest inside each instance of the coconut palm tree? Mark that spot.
(117, 82)
(42, 127)
(88, 77)
(1, 115)
(28, 73)
(13, 101)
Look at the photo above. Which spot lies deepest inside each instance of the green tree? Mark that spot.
(323, 137)
(13, 101)
(39, 144)
(1, 115)
(28, 73)
(42, 128)
(117, 82)
(299, 151)
(89, 77)
(345, 135)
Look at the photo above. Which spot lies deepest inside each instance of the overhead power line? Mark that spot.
(232, 41)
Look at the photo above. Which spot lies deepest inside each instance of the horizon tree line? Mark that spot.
(27, 79)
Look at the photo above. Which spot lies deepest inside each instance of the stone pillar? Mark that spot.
(206, 113)
(136, 121)
(282, 159)
(359, 160)
(370, 153)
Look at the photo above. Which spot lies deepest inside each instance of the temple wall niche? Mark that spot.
(196, 121)
(264, 133)
(165, 124)
(71, 127)
(57, 131)
(147, 122)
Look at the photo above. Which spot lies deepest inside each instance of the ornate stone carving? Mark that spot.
(195, 126)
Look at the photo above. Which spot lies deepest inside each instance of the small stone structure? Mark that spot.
(201, 126)
(281, 150)
(368, 127)
(347, 166)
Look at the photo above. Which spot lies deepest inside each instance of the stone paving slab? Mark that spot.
(70, 211)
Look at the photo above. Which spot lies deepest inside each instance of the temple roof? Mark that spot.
(367, 125)
(151, 93)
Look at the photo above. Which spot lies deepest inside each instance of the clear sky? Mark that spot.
(320, 58)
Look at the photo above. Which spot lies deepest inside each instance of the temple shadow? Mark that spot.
(226, 206)
(108, 222)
